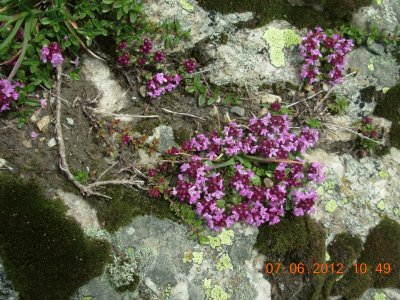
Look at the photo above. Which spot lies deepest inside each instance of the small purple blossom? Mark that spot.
(8, 94)
(159, 56)
(34, 135)
(160, 84)
(146, 47)
(52, 53)
(189, 65)
(43, 102)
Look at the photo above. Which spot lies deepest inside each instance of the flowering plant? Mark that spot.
(52, 53)
(373, 133)
(7, 94)
(324, 56)
(253, 173)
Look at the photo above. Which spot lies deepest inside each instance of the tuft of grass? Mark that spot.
(46, 254)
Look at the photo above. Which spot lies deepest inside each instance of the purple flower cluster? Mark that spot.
(324, 56)
(143, 53)
(160, 84)
(53, 54)
(230, 194)
(7, 94)
(189, 65)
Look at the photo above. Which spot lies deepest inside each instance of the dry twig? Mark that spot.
(182, 114)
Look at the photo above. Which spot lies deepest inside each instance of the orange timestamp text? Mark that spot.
(326, 268)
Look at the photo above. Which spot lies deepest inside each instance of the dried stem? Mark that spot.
(355, 132)
(182, 114)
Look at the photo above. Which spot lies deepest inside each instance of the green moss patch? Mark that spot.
(125, 205)
(344, 249)
(295, 241)
(389, 108)
(381, 247)
(46, 254)
(336, 11)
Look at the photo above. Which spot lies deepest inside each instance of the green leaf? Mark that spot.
(256, 180)
(202, 100)
(229, 162)
(211, 101)
(220, 203)
(190, 89)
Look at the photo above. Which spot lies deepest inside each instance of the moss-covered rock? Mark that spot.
(125, 204)
(389, 108)
(381, 247)
(46, 254)
(343, 9)
(300, 16)
(343, 250)
(295, 241)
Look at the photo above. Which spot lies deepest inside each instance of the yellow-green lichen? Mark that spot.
(378, 2)
(331, 206)
(214, 241)
(186, 5)
(320, 191)
(277, 40)
(345, 201)
(224, 263)
(198, 258)
(187, 257)
(327, 256)
(226, 237)
(380, 296)
(371, 65)
(384, 174)
(217, 293)
(381, 205)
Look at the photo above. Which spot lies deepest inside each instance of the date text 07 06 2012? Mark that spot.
(327, 268)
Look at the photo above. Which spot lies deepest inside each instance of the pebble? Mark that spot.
(2, 162)
(43, 124)
(270, 98)
(240, 111)
(27, 144)
(51, 143)
(70, 121)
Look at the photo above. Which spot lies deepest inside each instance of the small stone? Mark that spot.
(34, 118)
(42, 139)
(143, 91)
(51, 143)
(270, 98)
(2, 162)
(263, 112)
(268, 182)
(43, 124)
(70, 121)
(240, 111)
(27, 144)
(376, 49)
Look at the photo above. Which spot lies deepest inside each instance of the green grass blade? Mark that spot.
(12, 34)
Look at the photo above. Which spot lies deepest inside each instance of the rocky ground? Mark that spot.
(357, 192)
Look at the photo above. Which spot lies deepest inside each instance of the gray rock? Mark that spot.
(6, 289)
(70, 121)
(376, 48)
(165, 136)
(237, 110)
(79, 209)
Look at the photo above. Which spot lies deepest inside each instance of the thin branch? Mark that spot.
(182, 114)
(353, 131)
(123, 115)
